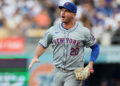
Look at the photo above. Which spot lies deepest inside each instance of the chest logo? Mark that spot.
(68, 40)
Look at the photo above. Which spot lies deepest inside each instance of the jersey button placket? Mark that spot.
(66, 48)
(65, 52)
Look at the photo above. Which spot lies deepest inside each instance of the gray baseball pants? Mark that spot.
(65, 78)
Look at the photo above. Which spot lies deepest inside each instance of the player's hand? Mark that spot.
(34, 60)
(91, 70)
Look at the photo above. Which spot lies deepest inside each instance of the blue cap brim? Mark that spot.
(60, 7)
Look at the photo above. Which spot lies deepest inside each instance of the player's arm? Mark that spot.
(94, 55)
(84, 73)
(91, 42)
(44, 42)
(39, 51)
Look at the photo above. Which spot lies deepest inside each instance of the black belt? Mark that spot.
(64, 70)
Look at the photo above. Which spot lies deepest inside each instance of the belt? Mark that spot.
(64, 70)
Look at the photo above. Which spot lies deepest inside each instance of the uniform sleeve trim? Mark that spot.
(42, 45)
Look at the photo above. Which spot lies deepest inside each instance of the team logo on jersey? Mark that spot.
(69, 41)
(93, 38)
(42, 75)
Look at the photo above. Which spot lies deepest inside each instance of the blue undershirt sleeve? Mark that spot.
(95, 52)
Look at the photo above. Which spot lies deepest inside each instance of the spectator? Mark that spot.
(25, 24)
(1, 19)
(97, 31)
(42, 19)
(116, 35)
(57, 17)
(88, 23)
(51, 10)
(106, 36)
(105, 7)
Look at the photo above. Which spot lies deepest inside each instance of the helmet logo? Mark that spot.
(67, 4)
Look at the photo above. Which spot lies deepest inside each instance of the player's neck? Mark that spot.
(69, 25)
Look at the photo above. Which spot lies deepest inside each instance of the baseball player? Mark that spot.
(68, 40)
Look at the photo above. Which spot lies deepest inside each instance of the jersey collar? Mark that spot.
(68, 30)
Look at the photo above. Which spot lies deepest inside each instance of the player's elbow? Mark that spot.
(95, 47)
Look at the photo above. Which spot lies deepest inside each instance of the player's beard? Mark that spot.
(67, 19)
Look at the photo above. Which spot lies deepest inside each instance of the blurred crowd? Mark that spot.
(33, 17)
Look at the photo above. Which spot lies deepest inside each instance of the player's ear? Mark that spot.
(74, 14)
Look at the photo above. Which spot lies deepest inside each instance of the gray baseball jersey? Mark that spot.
(68, 45)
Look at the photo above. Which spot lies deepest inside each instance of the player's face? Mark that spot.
(66, 15)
